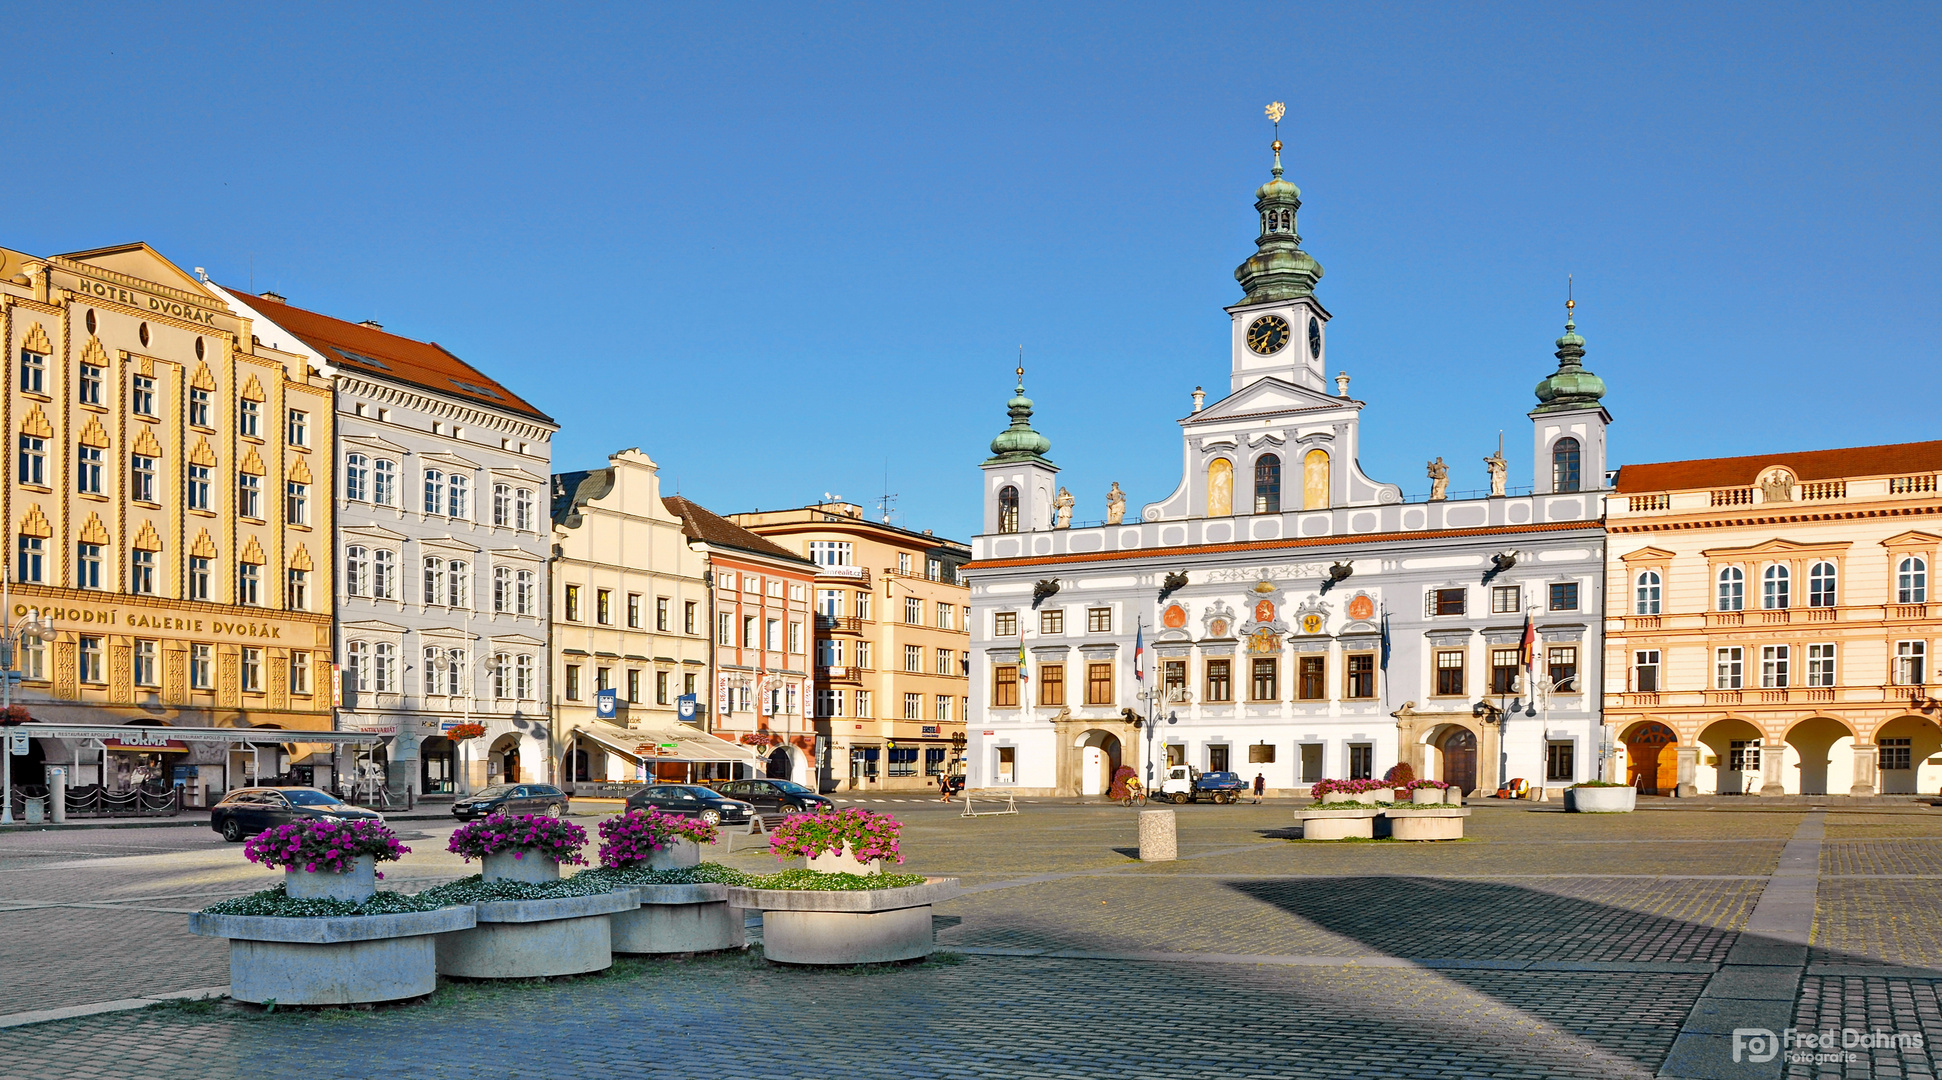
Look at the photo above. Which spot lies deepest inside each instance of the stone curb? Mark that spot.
(330, 930)
(42, 1016)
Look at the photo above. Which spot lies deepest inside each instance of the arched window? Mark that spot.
(1648, 593)
(1774, 587)
(1564, 465)
(1008, 509)
(1821, 590)
(1220, 487)
(356, 471)
(384, 483)
(1732, 589)
(1314, 480)
(356, 571)
(1267, 484)
(1912, 581)
(384, 575)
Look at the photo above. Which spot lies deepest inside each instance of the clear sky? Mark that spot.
(792, 249)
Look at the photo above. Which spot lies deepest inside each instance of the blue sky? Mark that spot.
(790, 249)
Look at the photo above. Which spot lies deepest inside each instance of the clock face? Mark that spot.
(1267, 334)
(1315, 338)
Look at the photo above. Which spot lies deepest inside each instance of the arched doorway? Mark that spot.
(436, 769)
(1905, 745)
(502, 761)
(1098, 759)
(1730, 758)
(1820, 757)
(782, 764)
(1459, 750)
(1652, 758)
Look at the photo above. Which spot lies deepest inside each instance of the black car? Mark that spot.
(776, 796)
(511, 799)
(248, 811)
(692, 800)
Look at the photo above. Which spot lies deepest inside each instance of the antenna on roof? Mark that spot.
(887, 502)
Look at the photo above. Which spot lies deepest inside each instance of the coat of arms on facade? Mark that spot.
(1362, 608)
(1778, 486)
(1218, 620)
(1312, 616)
(1174, 617)
(1264, 611)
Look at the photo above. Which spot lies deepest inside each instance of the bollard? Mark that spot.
(1157, 843)
(57, 794)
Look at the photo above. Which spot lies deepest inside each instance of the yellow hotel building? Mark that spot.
(1773, 623)
(167, 501)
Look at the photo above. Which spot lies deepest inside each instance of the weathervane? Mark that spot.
(1021, 367)
(1276, 110)
(1570, 305)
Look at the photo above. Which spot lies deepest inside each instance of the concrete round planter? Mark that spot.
(839, 861)
(1453, 796)
(1322, 824)
(332, 961)
(1601, 800)
(530, 939)
(524, 865)
(356, 885)
(864, 926)
(678, 919)
(1426, 796)
(1428, 823)
(678, 855)
(1340, 796)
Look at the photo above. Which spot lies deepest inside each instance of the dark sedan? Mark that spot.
(776, 796)
(511, 799)
(690, 800)
(248, 811)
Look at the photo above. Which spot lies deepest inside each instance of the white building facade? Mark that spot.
(1300, 619)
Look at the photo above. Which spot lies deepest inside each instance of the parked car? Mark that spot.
(692, 800)
(511, 799)
(776, 796)
(248, 811)
(1184, 783)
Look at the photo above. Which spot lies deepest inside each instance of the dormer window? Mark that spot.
(1008, 509)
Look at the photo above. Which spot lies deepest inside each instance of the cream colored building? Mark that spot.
(892, 645)
(1773, 623)
(168, 502)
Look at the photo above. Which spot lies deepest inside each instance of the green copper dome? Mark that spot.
(1280, 269)
(1571, 386)
(1019, 442)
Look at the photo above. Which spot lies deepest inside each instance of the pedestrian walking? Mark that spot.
(943, 788)
(1260, 787)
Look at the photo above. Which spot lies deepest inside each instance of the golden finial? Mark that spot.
(1570, 305)
(1276, 110)
(1021, 367)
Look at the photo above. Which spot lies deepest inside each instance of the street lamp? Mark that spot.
(31, 627)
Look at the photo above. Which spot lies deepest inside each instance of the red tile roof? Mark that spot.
(387, 356)
(1852, 461)
(700, 523)
(1272, 545)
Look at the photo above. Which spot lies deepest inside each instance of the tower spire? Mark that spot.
(1571, 386)
(1280, 269)
(1019, 442)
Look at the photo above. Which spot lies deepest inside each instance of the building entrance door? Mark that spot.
(1460, 760)
(1092, 766)
(1652, 758)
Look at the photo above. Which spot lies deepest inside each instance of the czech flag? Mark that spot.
(1139, 654)
(1529, 645)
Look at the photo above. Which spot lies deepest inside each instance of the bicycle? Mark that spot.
(1133, 797)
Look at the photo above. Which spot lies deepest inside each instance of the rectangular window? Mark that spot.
(1173, 679)
(87, 566)
(913, 658)
(1564, 596)
(862, 653)
(202, 667)
(1911, 662)
(249, 496)
(145, 664)
(1820, 665)
(300, 672)
(603, 678)
(1220, 680)
(1560, 762)
(829, 552)
(1743, 755)
(748, 632)
(1450, 601)
(249, 418)
(1099, 620)
(1449, 672)
(1311, 680)
(913, 706)
(772, 635)
(1099, 684)
(32, 559)
(141, 396)
(863, 703)
(141, 572)
(946, 616)
(1004, 686)
(829, 652)
(1775, 665)
(1645, 671)
(1004, 624)
(724, 628)
(862, 605)
(297, 590)
(141, 478)
(943, 709)
(1729, 668)
(1362, 761)
(573, 682)
(795, 637)
(33, 660)
(829, 603)
(87, 470)
(1506, 599)
(199, 572)
(299, 428)
(1562, 662)
(688, 617)
(913, 611)
(90, 385)
(603, 606)
(199, 482)
(33, 372)
(1897, 754)
(947, 662)
(199, 408)
(661, 688)
(634, 685)
(253, 670)
(1504, 666)
(573, 604)
(1051, 684)
(1052, 622)
(296, 503)
(660, 611)
(249, 583)
(1266, 683)
(933, 760)
(90, 660)
(33, 461)
(1361, 675)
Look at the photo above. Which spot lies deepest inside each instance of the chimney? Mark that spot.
(1200, 396)
(369, 324)
(278, 297)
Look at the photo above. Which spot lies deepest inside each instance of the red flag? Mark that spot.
(1529, 645)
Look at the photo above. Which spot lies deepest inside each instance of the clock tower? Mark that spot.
(1279, 327)
(1020, 481)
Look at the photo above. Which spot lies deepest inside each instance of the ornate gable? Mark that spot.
(201, 454)
(94, 434)
(35, 423)
(34, 523)
(203, 380)
(95, 354)
(35, 340)
(253, 390)
(148, 539)
(300, 471)
(252, 552)
(93, 531)
(203, 548)
(300, 559)
(252, 463)
(146, 445)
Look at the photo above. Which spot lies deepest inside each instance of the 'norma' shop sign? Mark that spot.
(146, 620)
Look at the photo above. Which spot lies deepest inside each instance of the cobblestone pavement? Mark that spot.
(1546, 945)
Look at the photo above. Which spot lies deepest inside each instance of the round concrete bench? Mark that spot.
(1322, 824)
(678, 919)
(529, 939)
(348, 960)
(1427, 823)
(865, 926)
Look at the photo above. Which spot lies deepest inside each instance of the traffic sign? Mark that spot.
(17, 743)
